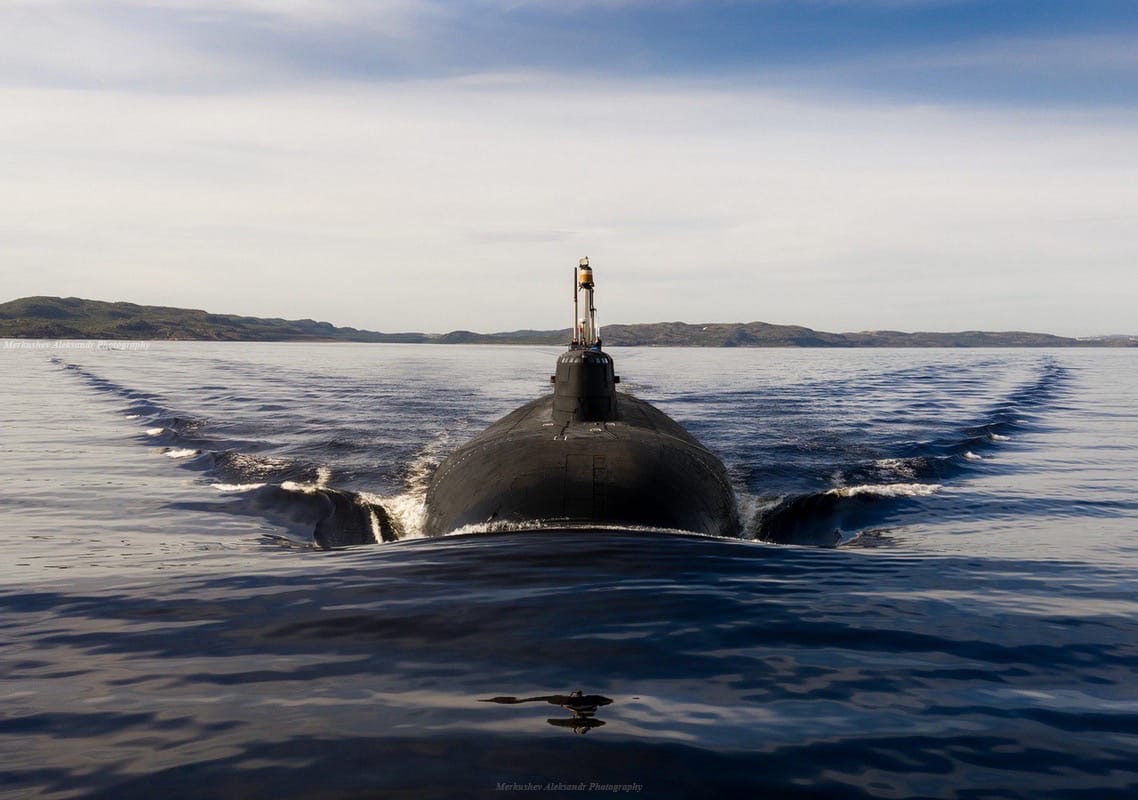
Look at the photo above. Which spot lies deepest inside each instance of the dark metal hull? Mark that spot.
(639, 469)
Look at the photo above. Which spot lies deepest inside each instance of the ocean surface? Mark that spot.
(935, 593)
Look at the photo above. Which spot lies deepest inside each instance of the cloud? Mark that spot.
(382, 205)
(841, 164)
(1036, 71)
(204, 45)
(945, 51)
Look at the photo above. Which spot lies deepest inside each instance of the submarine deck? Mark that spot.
(640, 469)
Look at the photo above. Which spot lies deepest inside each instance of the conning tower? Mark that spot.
(584, 386)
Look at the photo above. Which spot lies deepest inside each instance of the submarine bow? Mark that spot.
(583, 456)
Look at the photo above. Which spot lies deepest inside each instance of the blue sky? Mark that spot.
(845, 165)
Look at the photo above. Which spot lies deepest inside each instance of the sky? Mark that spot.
(429, 166)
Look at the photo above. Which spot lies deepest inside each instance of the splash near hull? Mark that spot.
(638, 469)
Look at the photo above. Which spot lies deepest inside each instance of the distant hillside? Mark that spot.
(74, 318)
(763, 334)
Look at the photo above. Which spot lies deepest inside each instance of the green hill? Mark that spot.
(75, 318)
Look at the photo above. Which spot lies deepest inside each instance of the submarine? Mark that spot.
(584, 456)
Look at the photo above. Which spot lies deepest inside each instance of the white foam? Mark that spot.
(972, 456)
(889, 490)
(133, 416)
(423, 466)
(155, 431)
(408, 511)
(534, 526)
(901, 466)
(323, 475)
(255, 465)
(180, 452)
(752, 507)
(236, 487)
(995, 437)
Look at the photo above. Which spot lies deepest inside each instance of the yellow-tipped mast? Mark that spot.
(586, 332)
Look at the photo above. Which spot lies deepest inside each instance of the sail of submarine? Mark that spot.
(583, 456)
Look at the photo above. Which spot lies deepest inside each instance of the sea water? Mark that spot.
(934, 594)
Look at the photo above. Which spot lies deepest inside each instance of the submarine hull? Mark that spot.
(637, 468)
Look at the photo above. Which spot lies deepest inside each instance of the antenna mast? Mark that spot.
(575, 329)
(586, 332)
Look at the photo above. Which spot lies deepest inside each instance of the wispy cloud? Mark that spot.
(699, 204)
(1041, 70)
(955, 51)
(841, 164)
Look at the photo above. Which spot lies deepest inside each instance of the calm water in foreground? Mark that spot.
(936, 594)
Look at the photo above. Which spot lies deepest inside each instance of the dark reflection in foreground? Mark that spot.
(583, 707)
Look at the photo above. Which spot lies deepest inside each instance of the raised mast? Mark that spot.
(586, 332)
(575, 329)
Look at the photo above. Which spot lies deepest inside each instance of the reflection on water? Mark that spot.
(583, 708)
